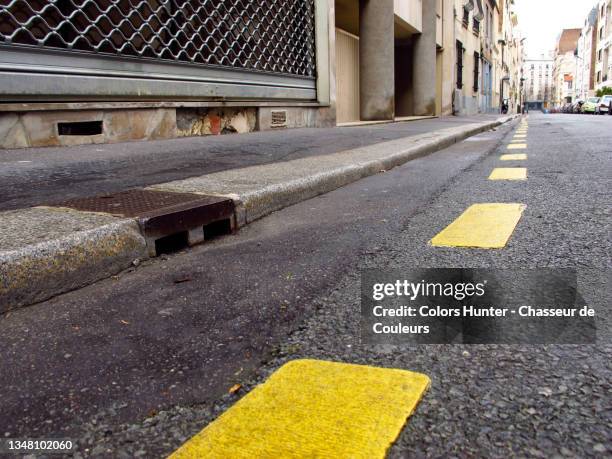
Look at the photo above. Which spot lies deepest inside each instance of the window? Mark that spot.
(599, 77)
(476, 26)
(599, 55)
(476, 70)
(459, 50)
(466, 17)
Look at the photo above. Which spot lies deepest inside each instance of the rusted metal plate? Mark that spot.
(134, 203)
(159, 213)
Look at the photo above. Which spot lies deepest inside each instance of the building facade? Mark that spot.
(586, 52)
(564, 70)
(118, 70)
(537, 85)
(603, 63)
(488, 57)
(391, 58)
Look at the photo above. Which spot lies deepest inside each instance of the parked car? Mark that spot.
(590, 106)
(604, 105)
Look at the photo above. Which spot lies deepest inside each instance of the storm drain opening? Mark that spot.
(217, 229)
(80, 128)
(168, 221)
(172, 243)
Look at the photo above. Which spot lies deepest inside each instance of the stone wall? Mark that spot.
(40, 129)
(215, 121)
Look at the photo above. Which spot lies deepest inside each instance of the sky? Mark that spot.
(541, 21)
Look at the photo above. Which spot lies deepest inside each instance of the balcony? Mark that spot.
(408, 16)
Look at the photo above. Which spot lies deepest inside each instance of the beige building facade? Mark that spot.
(489, 55)
(396, 51)
(305, 63)
(538, 79)
(603, 60)
(586, 55)
(565, 67)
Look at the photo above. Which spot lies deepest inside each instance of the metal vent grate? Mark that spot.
(279, 118)
(269, 35)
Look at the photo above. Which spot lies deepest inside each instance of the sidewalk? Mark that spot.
(47, 250)
(36, 176)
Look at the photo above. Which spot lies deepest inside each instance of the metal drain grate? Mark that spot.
(133, 203)
(162, 214)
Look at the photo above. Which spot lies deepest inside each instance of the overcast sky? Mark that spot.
(541, 21)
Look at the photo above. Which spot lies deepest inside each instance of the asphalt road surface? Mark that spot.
(37, 176)
(134, 365)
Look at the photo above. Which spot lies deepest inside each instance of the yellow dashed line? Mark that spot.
(520, 136)
(509, 173)
(514, 157)
(312, 408)
(485, 226)
(517, 146)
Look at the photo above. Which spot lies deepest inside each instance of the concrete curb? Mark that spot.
(260, 190)
(35, 272)
(48, 251)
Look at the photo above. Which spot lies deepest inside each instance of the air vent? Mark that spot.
(279, 119)
(80, 128)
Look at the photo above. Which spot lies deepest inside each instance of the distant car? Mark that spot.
(604, 105)
(590, 106)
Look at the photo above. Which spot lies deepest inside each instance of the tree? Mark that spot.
(605, 91)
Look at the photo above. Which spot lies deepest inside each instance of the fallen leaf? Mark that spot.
(124, 322)
(235, 388)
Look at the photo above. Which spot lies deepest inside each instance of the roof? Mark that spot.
(568, 40)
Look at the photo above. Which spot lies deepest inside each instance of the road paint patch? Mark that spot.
(311, 408)
(483, 226)
(520, 136)
(517, 146)
(509, 173)
(514, 157)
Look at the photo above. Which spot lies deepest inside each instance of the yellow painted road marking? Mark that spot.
(514, 157)
(484, 226)
(517, 146)
(518, 141)
(509, 173)
(312, 408)
(520, 136)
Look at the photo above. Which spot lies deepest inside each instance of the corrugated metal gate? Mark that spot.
(101, 49)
